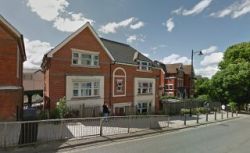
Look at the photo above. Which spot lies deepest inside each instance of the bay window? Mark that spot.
(145, 87)
(86, 89)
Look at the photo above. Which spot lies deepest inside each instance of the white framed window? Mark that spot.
(145, 87)
(119, 85)
(144, 65)
(142, 107)
(86, 89)
(85, 59)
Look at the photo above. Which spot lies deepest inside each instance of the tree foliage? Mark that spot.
(232, 81)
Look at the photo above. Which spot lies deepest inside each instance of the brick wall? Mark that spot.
(59, 66)
(10, 99)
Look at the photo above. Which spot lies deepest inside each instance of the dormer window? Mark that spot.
(84, 58)
(144, 65)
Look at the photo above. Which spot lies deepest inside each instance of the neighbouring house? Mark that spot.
(12, 56)
(92, 71)
(33, 82)
(178, 80)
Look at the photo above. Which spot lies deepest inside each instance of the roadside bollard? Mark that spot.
(232, 113)
(207, 117)
(168, 121)
(237, 113)
(185, 119)
(215, 115)
(197, 119)
(227, 113)
(222, 115)
(129, 124)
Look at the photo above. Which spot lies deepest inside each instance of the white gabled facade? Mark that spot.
(144, 101)
(74, 101)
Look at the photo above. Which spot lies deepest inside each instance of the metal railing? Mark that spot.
(42, 131)
(30, 132)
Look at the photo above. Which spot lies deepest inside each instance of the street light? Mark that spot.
(192, 70)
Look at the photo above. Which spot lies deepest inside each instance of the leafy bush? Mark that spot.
(232, 105)
(60, 110)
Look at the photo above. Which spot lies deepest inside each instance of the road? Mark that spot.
(226, 137)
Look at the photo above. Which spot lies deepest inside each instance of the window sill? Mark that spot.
(149, 71)
(84, 66)
(84, 98)
(144, 94)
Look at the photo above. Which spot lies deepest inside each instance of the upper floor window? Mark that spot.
(86, 89)
(145, 88)
(119, 85)
(85, 59)
(144, 65)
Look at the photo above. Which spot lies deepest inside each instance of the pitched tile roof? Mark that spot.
(172, 68)
(124, 53)
(187, 69)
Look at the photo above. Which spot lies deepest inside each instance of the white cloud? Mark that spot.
(158, 47)
(209, 50)
(208, 71)
(71, 23)
(198, 8)
(177, 11)
(146, 54)
(170, 24)
(235, 10)
(211, 59)
(175, 58)
(47, 10)
(35, 51)
(137, 25)
(113, 26)
(55, 11)
(133, 38)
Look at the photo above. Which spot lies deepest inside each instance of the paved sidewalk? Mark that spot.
(69, 144)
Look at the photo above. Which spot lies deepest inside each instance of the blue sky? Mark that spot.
(166, 30)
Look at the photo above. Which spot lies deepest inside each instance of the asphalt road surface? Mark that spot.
(226, 137)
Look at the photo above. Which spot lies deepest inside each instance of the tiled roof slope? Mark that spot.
(123, 53)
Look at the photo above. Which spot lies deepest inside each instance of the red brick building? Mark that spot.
(178, 80)
(12, 56)
(92, 71)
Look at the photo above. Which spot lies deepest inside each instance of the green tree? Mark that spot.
(201, 86)
(231, 82)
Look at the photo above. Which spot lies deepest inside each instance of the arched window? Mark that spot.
(119, 82)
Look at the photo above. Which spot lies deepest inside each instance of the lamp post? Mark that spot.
(192, 72)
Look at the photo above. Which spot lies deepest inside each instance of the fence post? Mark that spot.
(4, 137)
(128, 123)
(237, 113)
(227, 113)
(61, 127)
(207, 117)
(215, 115)
(221, 115)
(232, 113)
(101, 122)
(197, 119)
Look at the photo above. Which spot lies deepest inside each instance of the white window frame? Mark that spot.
(141, 107)
(93, 61)
(141, 88)
(148, 66)
(80, 88)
